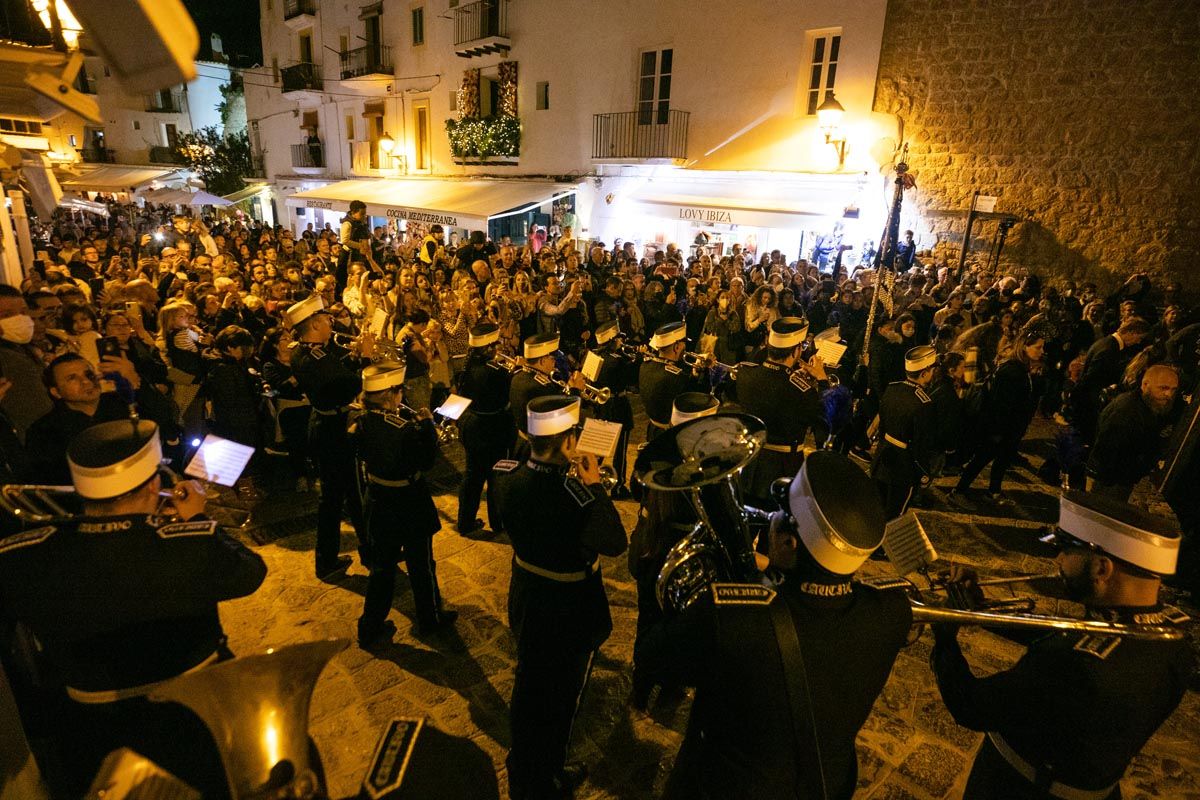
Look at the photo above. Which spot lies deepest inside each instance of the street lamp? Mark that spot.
(387, 144)
(829, 117)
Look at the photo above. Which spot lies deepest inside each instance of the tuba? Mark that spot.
(256, 708)
(703, 458)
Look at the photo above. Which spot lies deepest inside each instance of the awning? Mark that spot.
(251, 190)
(747, 201)
(79, 204)
(457, 204)
(112, 178)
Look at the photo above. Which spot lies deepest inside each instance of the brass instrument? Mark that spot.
(256, 708)
(383, 349)
(592, 394)
(705, 361)
(703, 457)
(608, 476)
(508, 363)
(36, 503)
(447, 431)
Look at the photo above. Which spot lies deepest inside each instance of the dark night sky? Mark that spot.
(237, 23)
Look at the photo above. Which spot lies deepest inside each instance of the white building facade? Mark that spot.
(645, 121)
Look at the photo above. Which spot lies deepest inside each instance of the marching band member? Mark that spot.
(783, 392)
(1069, 716)
(394, 451)
(907, 431)
(328, 375)
(817, 648)
(664, 377)
(557, 608)
(536, 380)
(615, 375)
(663, 519)
(487, 430)
(121, 600)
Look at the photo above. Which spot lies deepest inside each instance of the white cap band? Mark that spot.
(114, 480)
(1121, 540)
(553, 420)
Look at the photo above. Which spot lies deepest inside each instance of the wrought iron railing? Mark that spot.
(164, 155)
(308, 154)
(300, 77)
(373, 59)
(168, 102)
(480, 20)
(98, 155)
(637, 134)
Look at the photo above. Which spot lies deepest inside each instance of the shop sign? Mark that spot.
(423, 216)
(707, 215)
(326, 204)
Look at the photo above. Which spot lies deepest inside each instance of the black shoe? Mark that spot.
(477, 525)
(370, 637)
(573, 774)
(444, 622)
(339, 564)
(621, 493)
(1001, 499)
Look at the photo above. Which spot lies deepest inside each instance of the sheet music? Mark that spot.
(219, 461)
(454, 407)
(599, 438)
(830, 351)
(907, 545)
(591, 366)
(378, 321)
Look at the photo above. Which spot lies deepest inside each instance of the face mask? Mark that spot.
(18, 329)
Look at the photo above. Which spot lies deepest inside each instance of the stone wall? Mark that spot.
(1083, 116)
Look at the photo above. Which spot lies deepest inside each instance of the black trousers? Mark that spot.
(339, 487)
(992, 778)
(895, 497)
(486, 439)
(293, 424)
(417, 551)
(1000, 451)
(619, 410)
(549, 684)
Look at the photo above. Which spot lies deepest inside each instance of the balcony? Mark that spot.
(165, 102)
(165, 155)
(640, 136)
(372, 61)
(308, 158)
(481, 28)
(257, 167)
(476, 141)
(365, 158)
(302, 81)
(98, 155)
(299, 14)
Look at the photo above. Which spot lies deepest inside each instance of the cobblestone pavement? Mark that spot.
(910, 748)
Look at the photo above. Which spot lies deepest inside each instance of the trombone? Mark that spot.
(592, 394)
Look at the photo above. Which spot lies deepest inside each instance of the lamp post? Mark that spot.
(829, 117)
(388, 145)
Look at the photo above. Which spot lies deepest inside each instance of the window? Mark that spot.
(823, 67)
(418, 26)
(306, 47)
(73, 140)
(654, 87)
(421, 138)
(543, 96)
(349, 127)
(343, 43)
(454, 101)
(137, 125)
(275, 68)
(107, 71)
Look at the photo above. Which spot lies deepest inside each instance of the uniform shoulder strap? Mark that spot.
(506, 465)
(741, 594)
(26, 538)
(200, 527)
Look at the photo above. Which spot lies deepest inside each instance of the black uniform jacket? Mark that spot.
(907, 433)
(557, 525)
(327, 374)
(1080, 704)
(526, 385)
(125, 600)
(787, 401)
(660, 382)
(486, 385)
(740, 740)
(395, 450)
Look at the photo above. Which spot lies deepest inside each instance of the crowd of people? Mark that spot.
(290, 343)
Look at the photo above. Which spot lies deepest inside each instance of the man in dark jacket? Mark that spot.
(1133, 430)
(1102, 367)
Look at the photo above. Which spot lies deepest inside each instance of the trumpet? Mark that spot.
(508, 363)
(608, 475)
(382, 350)
(447, 431)
(703, 361)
